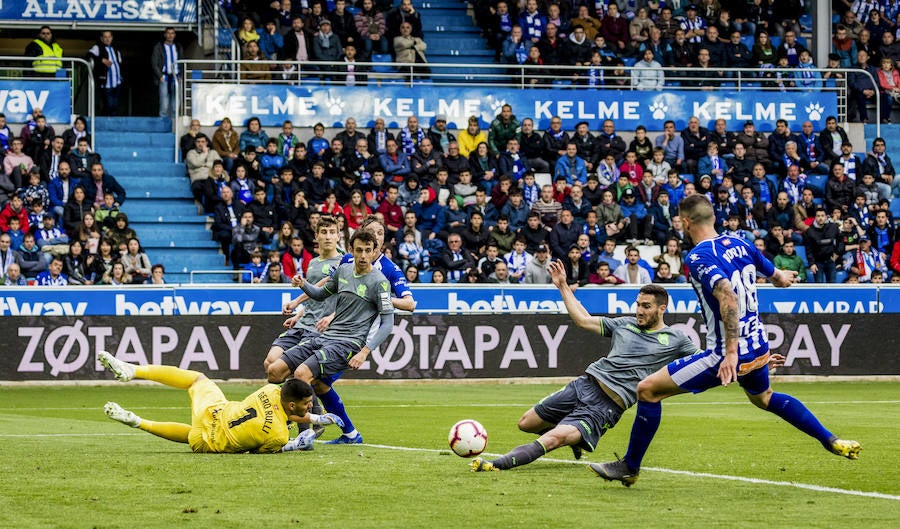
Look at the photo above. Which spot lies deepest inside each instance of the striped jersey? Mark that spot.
(734, 259)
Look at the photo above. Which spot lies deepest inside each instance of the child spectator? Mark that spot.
(255, 269)
(411, 253)
(16, 235)
(517, 260)
(531, 192)
(157, 275)
(121, 233)
(788, 259)
(107, 212)
(36, 192)
(242, 185)
(658, 167)
(271, 163)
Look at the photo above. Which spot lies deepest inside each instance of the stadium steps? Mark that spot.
(452, 37)
(140, 153)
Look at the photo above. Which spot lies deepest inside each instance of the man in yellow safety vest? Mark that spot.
(47, 53)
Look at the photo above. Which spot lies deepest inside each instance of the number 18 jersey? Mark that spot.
(738, 261)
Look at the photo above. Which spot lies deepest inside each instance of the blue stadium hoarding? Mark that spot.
(308, 105)
(99, 11)
(17, 98)
(235, 300)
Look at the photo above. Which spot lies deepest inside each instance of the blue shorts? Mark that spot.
(582, 403)
(292, 337)
(326, 359)
(700, 372)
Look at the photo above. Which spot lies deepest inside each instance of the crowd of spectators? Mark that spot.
(280, 35)
(61, 221)
(455, 203)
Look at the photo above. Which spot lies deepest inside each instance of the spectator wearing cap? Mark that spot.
(439, 135)
(694, 26)
(638, 222)
(536, 270)
(326, 47)
(868, 259)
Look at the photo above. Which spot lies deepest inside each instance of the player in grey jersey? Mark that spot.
(580, 413)
(303, 325)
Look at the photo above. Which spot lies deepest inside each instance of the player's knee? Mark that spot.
(646, 391)
(761, 400)
(276, 372)
(303, 373)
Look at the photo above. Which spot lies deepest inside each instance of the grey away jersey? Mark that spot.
(636, 354)
(360, 299)
(314, 310)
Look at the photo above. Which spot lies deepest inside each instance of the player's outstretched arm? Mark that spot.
(728, 308)
(576, 310)
(315, 292)
(783, 278)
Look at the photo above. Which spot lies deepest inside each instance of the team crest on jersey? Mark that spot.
(726, 242)
(361, 290)
(694, 257)
(663, 339)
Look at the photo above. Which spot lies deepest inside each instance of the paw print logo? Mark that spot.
(335, 105)
(496, 105)
(659, 109)
(814, 110)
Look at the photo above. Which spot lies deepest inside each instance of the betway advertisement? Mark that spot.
(420, 347)
(175, 300)
(17, 98)
(308, 105)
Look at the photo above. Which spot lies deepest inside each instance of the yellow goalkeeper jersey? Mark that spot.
(256, 424)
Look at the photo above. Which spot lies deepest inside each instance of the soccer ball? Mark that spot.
(467, 438)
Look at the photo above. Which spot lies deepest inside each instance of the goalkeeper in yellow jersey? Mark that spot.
(259, 423)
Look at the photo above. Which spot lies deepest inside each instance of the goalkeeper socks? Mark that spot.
(173, 431)
(794, 412)
(333, 404)
(168, 375)
(646, 422)
(521, 455)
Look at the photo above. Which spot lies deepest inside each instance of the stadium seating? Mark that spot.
(139, 152)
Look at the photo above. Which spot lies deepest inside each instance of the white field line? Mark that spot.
(756, 481)
(485, 405)
(789, 484)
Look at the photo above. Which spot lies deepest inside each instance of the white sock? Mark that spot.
(351, 434)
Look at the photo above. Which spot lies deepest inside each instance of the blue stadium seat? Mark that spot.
(895, 208)
(382, 57)
(840, 276)
(774, 179)
(817, 183)
(806, 22)
(775, 40)
(801, 253)
(629, 61)
(562, 83)
(425, 276)
(802, 41)
(687, 177)
(748, 41)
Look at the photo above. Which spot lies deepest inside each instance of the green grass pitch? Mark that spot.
(64, 464)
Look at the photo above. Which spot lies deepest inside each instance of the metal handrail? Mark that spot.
(92, 103)
(213, 272)
(504, 75)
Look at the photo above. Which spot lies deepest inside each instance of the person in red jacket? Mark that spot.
(15, 208)
(296, 259)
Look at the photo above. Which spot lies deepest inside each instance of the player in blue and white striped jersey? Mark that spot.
(723, 272)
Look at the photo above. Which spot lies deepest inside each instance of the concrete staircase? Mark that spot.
(140, 153)
(452, 37)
